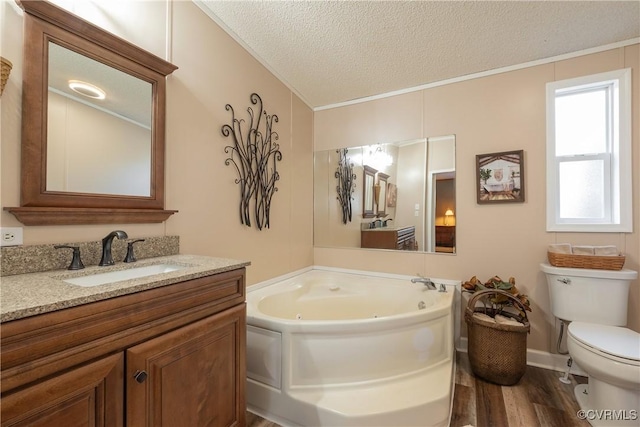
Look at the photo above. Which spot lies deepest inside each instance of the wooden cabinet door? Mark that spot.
(193, 376)
(91, 395)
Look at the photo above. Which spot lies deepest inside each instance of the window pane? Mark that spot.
(581, 123)
(582, 189)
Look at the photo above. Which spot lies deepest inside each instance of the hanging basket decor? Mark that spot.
(5, 71)
(254, 154)
(346, 184)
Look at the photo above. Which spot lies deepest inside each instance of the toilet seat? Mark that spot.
(612, 342)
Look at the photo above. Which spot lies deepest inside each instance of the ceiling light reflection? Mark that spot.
(87, 89)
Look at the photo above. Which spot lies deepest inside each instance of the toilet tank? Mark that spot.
(594, 296)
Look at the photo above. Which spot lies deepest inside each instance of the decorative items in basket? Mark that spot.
(497, 330)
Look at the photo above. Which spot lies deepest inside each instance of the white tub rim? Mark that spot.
(292, 325)
(255, 287)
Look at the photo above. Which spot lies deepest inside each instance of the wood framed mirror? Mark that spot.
(368, 181)
(87, 181)
(381, 194)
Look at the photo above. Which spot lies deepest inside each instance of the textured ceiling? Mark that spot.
(335, 51)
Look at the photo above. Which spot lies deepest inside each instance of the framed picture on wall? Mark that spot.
(500, 177)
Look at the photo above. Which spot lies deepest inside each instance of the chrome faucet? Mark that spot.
(107, 259)
(424, 280)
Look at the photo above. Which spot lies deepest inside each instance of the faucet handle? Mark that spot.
(130, 255)
(76, 261)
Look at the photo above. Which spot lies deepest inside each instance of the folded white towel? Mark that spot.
(605, 250)
(583, 250)
(507, 320)
(560, 248)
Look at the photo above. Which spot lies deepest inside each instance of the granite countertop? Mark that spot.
(25, 295)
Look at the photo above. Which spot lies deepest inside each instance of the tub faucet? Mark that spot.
(424, 280)
(107, 259)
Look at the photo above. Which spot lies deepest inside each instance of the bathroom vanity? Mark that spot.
(389, 238)
(167, 349)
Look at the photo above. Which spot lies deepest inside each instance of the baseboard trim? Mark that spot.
(537, 358)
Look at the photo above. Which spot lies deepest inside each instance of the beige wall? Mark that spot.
(497, 113)
(213, 71)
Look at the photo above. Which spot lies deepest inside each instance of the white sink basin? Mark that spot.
(117, 276)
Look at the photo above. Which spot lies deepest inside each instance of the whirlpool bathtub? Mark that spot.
(328, 348)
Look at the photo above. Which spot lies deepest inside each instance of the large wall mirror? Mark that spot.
(417, 201)
(93, 124)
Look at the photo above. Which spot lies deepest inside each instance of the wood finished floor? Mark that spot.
(539, 399)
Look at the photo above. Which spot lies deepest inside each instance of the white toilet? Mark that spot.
(595, 302)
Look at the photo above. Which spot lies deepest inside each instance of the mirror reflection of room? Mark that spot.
(98, 127)
(405, 186)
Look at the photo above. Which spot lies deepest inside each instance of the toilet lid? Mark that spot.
(614, 340)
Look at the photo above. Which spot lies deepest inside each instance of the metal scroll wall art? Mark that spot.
(346, 184)
(254, 154)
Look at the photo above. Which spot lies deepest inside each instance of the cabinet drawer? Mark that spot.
(90, 395)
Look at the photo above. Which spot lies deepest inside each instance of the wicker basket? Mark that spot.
(497, 351)
(5, 69)
(586, 261)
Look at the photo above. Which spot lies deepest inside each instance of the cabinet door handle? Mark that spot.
(140, 376)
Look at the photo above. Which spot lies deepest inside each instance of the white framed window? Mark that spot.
(589, 153)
